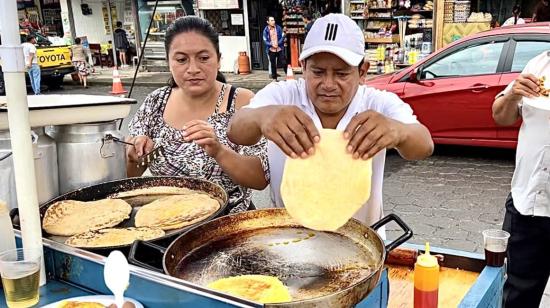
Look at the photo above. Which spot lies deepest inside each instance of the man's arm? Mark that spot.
(370, 132)
(506, 107)
(31, 56)
(265, 36)
(281, 40)
(287, 126)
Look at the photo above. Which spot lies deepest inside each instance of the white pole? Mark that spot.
(247, 31)
(115, 61)
(13, 65)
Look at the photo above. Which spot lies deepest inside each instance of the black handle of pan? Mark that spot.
(407, 232)
(133, 252)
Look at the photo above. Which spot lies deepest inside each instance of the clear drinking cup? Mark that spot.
(20, 271)
(495, 243)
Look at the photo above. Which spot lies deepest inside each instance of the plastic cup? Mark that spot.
(20, 271)
(495, 243)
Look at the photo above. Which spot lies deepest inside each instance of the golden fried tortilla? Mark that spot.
(178, 211)
(258, 288)
(323, 191)
(70, 217)
(113, 237)
(544, 88)
(153, 191)
(73, 304)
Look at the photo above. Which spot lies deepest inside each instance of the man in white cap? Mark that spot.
(289, 113)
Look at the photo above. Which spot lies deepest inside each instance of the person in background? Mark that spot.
(308, 23)
(274, 42)
(189, 119)
(290, 113)
(31, 63)
(121, 43)
(527, 217)
(542, 11)
(78, 56)
(515, 19)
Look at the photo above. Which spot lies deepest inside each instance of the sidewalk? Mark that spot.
(104, 76)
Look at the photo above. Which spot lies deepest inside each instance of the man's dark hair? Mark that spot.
(268, 17)
(307, 16)
(30, 38)
(119, 24)
(77, 41)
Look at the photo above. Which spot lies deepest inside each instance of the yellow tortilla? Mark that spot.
(113, 237)
(323, 191)
(177, 211)
(70, 217)
(258, 288)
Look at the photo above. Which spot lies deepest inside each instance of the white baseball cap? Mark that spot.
(337, 34)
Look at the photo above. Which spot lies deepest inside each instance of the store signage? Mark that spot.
(51, 58)
(217, 4)
(237, 19)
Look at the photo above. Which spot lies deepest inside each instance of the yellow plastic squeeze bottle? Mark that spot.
(426, 280)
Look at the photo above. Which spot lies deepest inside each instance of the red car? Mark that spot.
(453, 89)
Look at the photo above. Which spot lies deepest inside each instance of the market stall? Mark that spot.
(465, 282)
(458, 19)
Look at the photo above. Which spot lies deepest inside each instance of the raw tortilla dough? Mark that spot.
(323, 191)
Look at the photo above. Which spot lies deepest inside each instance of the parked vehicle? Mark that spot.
(452, 90)
(54, 61)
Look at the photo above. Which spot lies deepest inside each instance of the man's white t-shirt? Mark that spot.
(29, 48)
(293, 92)
(531, 180)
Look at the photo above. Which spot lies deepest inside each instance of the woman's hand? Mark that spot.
(142, 145)
(203, 134)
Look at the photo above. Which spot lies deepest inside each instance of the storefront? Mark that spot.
(41, 15)
(230, 19)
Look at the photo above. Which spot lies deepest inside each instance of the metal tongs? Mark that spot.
(145, 159)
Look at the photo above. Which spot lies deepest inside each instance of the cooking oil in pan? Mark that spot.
(309, 263)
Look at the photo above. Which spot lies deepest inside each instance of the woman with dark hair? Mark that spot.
(189, 118)
(78, 57)
(515, 19)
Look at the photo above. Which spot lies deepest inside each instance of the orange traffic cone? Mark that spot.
(117, 84)
(289, 73)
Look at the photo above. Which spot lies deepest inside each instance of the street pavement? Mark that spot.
(447, 199)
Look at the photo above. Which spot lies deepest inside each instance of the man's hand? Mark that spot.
(526, 85)
(370, 132)
(290, 129)
(142, 145)
(203, 134)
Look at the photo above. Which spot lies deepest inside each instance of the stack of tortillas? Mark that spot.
(323, 191)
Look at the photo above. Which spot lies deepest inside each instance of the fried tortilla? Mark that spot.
(70, 217)
(258, 288)
(178, 211)
(153, 191)
(323, 191)
(74, 304)
(544, 88)
(113, 237)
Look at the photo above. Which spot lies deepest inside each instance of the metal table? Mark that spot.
(74, 272)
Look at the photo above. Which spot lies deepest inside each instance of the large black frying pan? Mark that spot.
(105, 190)
(321, 269)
